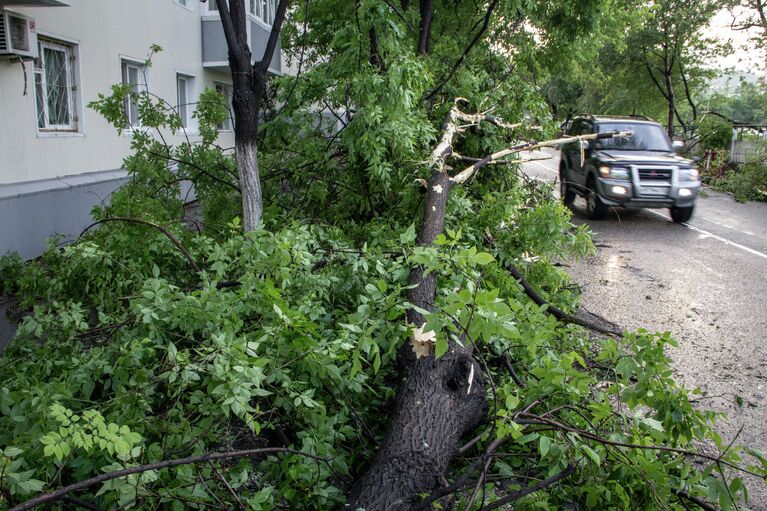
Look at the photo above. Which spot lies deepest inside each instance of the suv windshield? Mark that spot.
(646, 137)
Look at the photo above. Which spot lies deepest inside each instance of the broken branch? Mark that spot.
(465, 174)
(160, 228)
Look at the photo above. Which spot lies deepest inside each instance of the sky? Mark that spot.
(745, 58)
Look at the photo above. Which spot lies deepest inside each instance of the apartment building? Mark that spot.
(58, 158)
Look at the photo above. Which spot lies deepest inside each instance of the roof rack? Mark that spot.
(629, 116)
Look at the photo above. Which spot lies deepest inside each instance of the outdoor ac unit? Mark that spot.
(18, 37)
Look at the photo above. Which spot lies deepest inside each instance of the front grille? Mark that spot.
(654, 175)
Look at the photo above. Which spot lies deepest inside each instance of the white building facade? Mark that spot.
(58, 158)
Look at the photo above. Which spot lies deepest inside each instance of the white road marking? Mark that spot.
(733, 228)
(543, 166)
(706, 234)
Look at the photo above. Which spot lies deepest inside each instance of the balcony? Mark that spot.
(215, 54)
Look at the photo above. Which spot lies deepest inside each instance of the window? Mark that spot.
(183, 98)
(133, 74)
(226, 91)
(263, 10)
(212, 6)
(185, 3)
(55, 86)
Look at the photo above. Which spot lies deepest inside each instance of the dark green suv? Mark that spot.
(639, 171)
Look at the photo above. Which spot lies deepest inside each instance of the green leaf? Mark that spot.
(591, 453)
(441, 346)
(544, 443)
(483, 258)
(408, 236)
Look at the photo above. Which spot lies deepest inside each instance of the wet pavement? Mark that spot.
(704, 281)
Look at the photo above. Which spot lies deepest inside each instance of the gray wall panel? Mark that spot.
(32, 212)
(214, 47)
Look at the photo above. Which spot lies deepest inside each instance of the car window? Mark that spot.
(577, 127)
(645, 137)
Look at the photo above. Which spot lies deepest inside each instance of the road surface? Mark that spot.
(705, 281)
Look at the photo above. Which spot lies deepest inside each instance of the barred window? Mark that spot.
(55, 86)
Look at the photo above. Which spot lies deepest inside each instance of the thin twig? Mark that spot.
(532, 489)
(61, 492)
(695, 500)
(226, 483)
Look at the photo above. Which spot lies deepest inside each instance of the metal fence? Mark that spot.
(748, 151)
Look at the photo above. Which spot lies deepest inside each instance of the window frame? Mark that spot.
(220, 87)
(70, 56)
(188, 88)
(125, 65)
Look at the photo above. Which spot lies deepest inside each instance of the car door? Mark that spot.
(583, 150)
(569, 149)
(573, 152)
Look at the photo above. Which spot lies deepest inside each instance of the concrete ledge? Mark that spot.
(32, 211)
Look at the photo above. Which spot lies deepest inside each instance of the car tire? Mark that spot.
(680, 215)
(595, 208)
(566, 193)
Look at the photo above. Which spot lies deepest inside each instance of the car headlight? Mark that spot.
(690, 174)
(613, 172)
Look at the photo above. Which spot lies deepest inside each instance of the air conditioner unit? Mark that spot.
(18, 37)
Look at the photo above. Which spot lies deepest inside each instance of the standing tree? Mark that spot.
(668, 44)
(754, 19)
(249, 84)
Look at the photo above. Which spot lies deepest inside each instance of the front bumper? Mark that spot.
(633, 193)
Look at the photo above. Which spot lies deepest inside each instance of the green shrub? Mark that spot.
(747, 182)
(715, 133)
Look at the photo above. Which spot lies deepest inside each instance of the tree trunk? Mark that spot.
(438, 401)
(246, 154)
(671, 103)
(248, 84)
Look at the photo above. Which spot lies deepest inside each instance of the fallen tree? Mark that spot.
(163, 366)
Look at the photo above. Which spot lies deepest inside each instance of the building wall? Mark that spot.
(50, 181)
(105, 31)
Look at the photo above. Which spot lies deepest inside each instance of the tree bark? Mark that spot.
(427, 12)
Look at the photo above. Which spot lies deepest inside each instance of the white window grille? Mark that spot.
(55, 86)
(226, 91)
(133, 74)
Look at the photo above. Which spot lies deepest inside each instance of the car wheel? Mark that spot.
(565, 192)
(595, 208)
(679, 215)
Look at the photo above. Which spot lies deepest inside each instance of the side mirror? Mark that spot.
(677, 145)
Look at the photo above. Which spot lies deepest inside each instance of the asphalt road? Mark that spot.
(705, 281)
